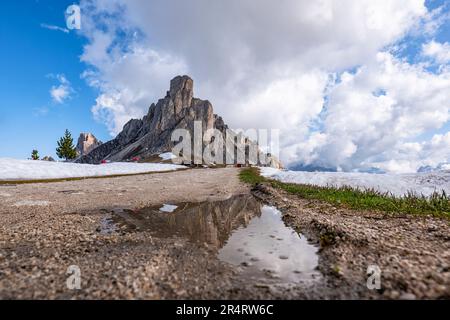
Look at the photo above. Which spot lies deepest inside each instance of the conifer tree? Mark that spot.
(66, 149)
(35, 155)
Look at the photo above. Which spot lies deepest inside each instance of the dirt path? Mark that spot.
(45, 228)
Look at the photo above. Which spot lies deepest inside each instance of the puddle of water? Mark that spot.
(107, 226)
(244, 233)
(207, 222)
(168, 208)
(267, 244)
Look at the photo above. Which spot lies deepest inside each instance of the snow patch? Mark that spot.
(167, 156)
(5, 195)
(397, 184)
(12, 169)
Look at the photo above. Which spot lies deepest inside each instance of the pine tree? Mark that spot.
(35, 155)
(66, 149)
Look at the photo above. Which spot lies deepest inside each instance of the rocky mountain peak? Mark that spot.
(181, 85)
(151, 135)
(86, 143)
(180, 94)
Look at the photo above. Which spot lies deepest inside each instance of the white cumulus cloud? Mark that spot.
(275, 65)
(438, 51)
(61, 92)
(374, 113)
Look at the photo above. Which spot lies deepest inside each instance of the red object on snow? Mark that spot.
(135, 159)
(104, 162)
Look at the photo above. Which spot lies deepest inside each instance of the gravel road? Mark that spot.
(46, 228)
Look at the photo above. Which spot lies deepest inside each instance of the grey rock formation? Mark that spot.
(86, 143)
(152, 135)
(48, 158)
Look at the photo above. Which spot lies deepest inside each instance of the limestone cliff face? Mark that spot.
(152, 134)
(86, 143)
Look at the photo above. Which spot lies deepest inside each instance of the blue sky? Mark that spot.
(244, 69)
(30, 53)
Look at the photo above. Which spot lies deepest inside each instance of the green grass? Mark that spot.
(251, 176)
(438, 204)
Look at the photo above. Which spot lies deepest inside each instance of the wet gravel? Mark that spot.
(46, 228)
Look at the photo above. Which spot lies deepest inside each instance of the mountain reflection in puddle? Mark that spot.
(268, 245)
(244, 232)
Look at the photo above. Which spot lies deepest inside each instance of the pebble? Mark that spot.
(246, 264)
(407, 296)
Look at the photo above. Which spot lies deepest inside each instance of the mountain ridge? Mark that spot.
(151, 135)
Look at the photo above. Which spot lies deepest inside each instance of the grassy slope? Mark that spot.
(437, 204)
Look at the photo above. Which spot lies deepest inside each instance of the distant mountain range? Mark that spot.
(317, 168)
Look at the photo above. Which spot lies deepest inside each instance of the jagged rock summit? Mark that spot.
(151, 135)
(86, 143)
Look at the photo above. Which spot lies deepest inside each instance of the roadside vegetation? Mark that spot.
(437, 205)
